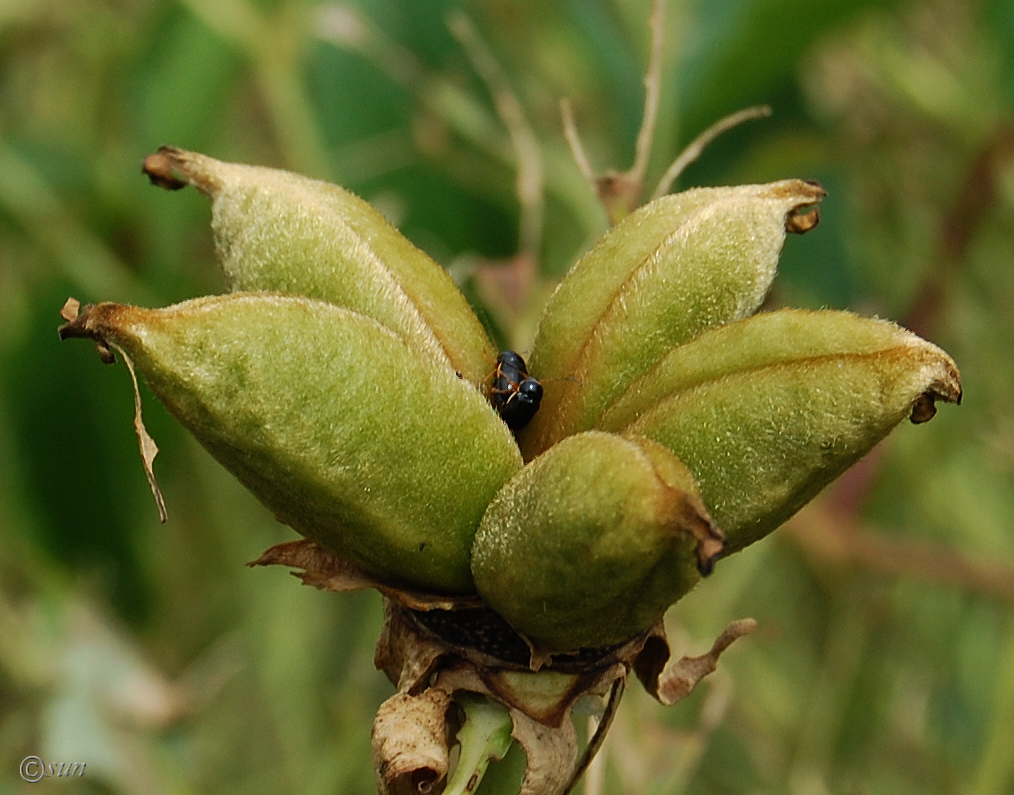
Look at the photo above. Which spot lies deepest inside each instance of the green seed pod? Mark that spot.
(331, 420)
(767, 411)
(591, 542)
(281, 232)
(666, 272)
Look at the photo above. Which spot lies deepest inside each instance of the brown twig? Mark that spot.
(698, 145)
(620, 192)
(830, 539)
(831, 531)
(975, 196)
(652, 94)
(525, 142)
(574, 142)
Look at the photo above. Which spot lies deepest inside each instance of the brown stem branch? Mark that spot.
(698, 145)
(975, 196)
(832, 540)
(574, 142)
(528, 155)
(652, 94)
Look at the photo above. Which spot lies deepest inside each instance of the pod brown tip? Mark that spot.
(77, 324)
(923, 410)
(946, 386)
(697, 522)
(710, 546)
(80, 325)
(802, 219)
(161, 169)
(173, 168)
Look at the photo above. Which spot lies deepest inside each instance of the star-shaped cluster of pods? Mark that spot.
(346, 382)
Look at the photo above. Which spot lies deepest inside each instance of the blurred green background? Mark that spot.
(885, 658)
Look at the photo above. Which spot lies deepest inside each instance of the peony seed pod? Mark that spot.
(590, 543)
(334, 422)
(673, 268)
(281, 232)
(767, 411)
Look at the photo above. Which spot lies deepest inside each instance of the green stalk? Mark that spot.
(485, 735)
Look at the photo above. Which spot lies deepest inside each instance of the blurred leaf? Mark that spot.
(744, 49)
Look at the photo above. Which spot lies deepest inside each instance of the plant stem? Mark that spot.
(485, 735)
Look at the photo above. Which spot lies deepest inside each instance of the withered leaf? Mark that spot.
(147, 445)
(679, 677)
(326, 570)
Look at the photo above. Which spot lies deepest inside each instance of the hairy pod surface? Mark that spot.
(332, 421)
(666, 272)
(281, 232)
(767, 411)
(592, 541)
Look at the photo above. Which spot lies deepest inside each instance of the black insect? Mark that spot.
(514, 394)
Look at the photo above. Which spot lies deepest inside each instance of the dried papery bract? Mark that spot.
(539, 703)
(410, 743)
(669, 679)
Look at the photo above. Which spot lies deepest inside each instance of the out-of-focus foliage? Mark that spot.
(885, 659)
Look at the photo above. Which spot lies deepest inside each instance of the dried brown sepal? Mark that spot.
(160, 168)
(328, 571)
(79, 325)
(411, 751)
(677, 679)
(652, 658)
(409, 654)
(516, 690)
(406, 654)
(147, 445)
(539, 702)
(551, 751)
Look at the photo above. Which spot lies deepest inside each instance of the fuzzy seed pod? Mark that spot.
(665, 273)
(281, 232)
(337, 425)
(767, 411)
(592, 541)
